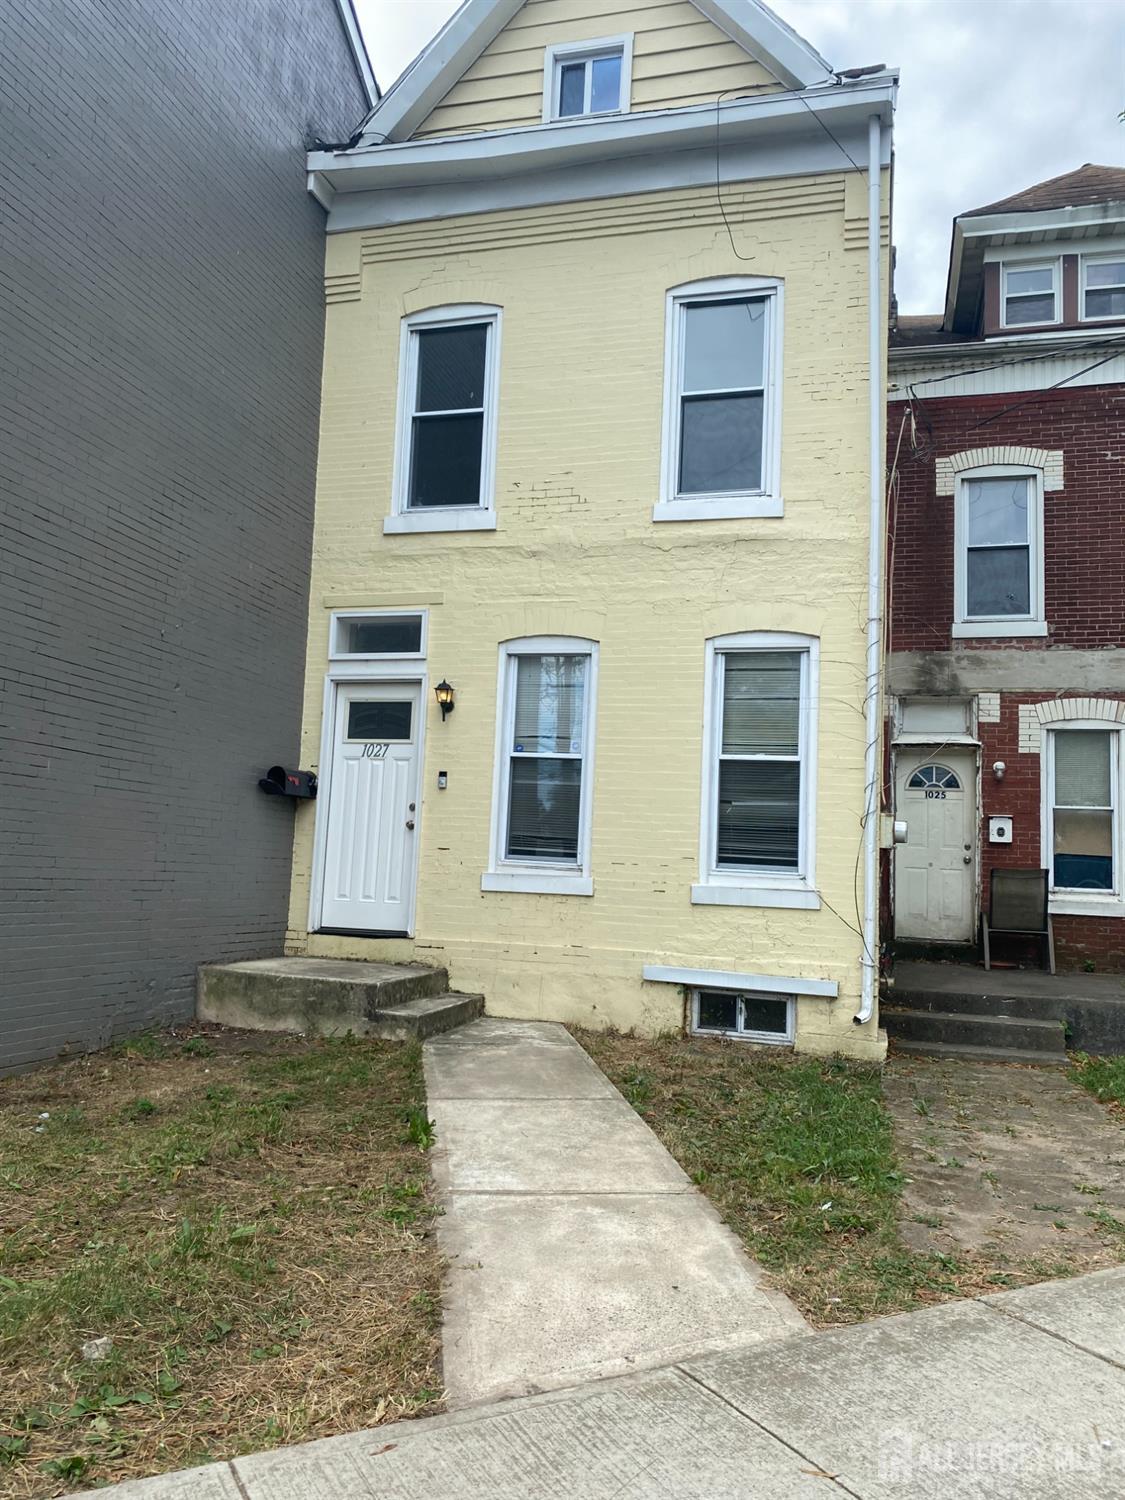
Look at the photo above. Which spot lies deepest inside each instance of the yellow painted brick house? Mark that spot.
(600, 467)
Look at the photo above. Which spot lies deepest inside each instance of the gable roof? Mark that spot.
(1088, 184)
(750, 23)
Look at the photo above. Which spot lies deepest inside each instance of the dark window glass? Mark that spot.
(445, 461)
(572, 88)
(765, 1013)
(379, 720)
(759, 813)
(543, 808)
(761, 703)
(998, 581)
(451, 367)
(718, 1011)
(392, 635)
(721, 444)
(1105, 303)
(1038, 309)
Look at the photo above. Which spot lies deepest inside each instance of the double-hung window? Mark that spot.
(544, 753)
(587, 78)
(759, 773)
(448, 389)
(1103, 286)
(1083, 786)
(721, 401)
(1030, 293)
(998, 528)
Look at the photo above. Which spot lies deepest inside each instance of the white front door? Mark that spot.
(935, 869)
(370, 847)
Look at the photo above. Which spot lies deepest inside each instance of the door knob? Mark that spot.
(966, 859)
(410, 822)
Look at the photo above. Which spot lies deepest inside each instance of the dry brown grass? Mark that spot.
(247, 1217)
(799, 1156)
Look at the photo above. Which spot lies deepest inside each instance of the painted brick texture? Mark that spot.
(576, 553)
(163, 331)
(1084, 521)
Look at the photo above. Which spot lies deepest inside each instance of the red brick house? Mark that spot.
(1006, 601)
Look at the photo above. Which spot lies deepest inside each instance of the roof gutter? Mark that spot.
(873, 705)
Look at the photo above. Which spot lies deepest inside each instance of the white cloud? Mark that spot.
(996, 95)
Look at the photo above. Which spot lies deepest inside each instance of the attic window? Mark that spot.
(1103, 287)
(1031, 294)
(587, 78)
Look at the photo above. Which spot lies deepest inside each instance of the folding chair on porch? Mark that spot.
(1017, 907)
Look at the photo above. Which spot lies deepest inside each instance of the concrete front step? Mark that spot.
(962, 1029)
(1032, 1007)
(951, 1051)
(966, 1029)
(332, 997)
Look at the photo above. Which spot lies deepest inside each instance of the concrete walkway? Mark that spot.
(577, 1247)
(1018, 1396)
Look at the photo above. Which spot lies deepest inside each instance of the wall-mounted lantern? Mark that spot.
(444, 695)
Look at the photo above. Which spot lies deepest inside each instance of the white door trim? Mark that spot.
(360, 673)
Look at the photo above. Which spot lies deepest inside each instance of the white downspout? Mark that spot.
(873, 727)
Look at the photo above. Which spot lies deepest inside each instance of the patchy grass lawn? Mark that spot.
(246, 1217)
(798, 1155)
(1105, 1079)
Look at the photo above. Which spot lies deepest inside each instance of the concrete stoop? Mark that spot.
(935, 1018)
(333, 997)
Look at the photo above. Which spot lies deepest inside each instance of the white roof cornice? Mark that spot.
(470, 29)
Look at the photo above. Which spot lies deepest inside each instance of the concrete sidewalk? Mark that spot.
(577, 1247)
(1018, 1396)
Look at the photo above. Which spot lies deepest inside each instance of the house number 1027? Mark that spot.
(372, 751)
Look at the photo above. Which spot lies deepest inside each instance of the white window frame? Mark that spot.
(998, 626)
(768, 1038)
(559, 53)
(1039, 263)
(540, 877)
(756, 887)
(1066, 900)
(482, 515)
(1085, 261)
(339, 617)
(765, 501)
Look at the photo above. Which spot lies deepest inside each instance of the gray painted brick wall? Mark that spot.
(160, 360)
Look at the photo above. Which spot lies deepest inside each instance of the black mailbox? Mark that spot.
(279, 782)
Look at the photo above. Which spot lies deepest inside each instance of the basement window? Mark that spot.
(754, 1017)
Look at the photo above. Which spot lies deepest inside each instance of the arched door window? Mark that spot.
(934, 776)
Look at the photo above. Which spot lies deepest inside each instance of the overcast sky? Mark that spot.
(995, 95)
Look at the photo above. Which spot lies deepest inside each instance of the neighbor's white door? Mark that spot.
(369, 858)
(935, 869)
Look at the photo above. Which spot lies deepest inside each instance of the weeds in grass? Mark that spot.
(250, 1229)
(1103, 1076)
